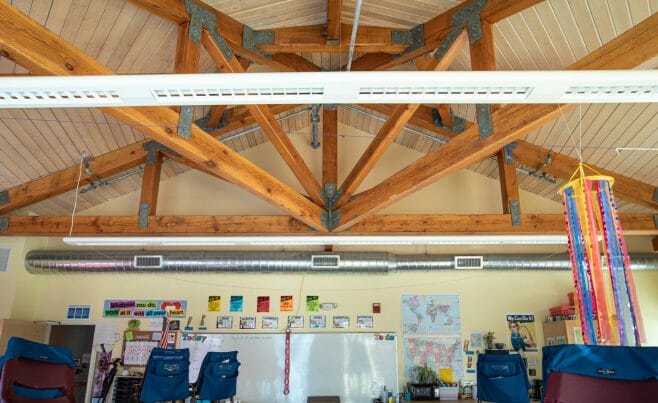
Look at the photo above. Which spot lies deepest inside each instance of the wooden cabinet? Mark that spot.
(562, 332)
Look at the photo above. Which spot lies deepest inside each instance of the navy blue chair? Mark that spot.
(167, 376)
(502, 378)
(218, 376)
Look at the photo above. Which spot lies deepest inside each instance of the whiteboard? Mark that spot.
(353, 366)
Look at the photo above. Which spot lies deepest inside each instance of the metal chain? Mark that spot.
(286, 376)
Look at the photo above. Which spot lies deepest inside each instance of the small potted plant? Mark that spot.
(489, 340)
(426, 382)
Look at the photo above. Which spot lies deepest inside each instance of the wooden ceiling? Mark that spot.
(126, 38)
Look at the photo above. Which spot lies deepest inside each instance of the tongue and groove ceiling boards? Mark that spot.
(41, 149)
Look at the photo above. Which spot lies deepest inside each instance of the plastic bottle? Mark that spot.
(390, 397)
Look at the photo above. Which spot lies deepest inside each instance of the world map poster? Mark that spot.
(430, 314)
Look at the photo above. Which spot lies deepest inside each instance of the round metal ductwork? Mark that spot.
(46, 261)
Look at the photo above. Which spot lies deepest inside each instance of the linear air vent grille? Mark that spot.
(166, 95)
(617, 91)
(148, 262)
(513, 92)
(469, 262)
(325, 261)
(62, 98)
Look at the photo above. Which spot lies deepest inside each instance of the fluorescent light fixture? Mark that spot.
(468, 87)
(321, 240)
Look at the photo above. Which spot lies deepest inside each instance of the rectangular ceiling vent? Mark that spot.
(58, 98)
(592, 92)
(454, 93)
(469, 262)
(325, 261)
(148, 262)
(234, 94)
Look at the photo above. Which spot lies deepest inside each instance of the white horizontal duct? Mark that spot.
(394, 87)
(46, 261)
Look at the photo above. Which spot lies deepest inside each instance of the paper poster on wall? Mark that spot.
(364, 321)
(430, 314)
(263, 304)
(225, 322)
(522, 333)
(341, 322)
(78, 312)
(317, 321)
(476, 340)
(214, 303)
(137, 352)
(270, 322)
(312, 303)
(247, 322)
(296, 322)
(435, 352)
(236, 303)
(173, 308)
(286, 303)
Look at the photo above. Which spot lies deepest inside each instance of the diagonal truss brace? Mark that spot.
(200, 18)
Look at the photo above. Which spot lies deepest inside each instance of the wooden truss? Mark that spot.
(326, 206)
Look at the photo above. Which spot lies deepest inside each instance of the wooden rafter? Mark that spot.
(30, 45)
(312, 39)
(148, 195)
(655, 243)
(483, 224)
(438, 27)
(483, 58)
(188, 53)
(334, 8)
(329, 147)
(398, 119)
(538, 158)
(631, 49)
(268, 123)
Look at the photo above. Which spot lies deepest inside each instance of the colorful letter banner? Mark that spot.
(144, 308)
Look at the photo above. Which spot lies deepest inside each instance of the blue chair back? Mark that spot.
(167, 376)
(502, 378)
(218, 376)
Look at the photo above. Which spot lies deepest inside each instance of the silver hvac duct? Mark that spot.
(290, 262)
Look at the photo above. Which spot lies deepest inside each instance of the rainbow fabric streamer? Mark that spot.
(590, 215)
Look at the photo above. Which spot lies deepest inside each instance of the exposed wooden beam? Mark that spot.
(631, 49)
(476, 224)
(294, 62)
(334, 8)
(438, 27)
(102, 166)
(445, 112)
(148, 195)
(215, 115)
(329, 147)
(483, 58)
(268, 124)
(187, 52)
(172, 10)
(30, 45)
(538, 158)
(312, 38)
(389, 131)
(655, 243)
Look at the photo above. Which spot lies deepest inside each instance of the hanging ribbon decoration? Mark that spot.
(286, 373)
(591, 214)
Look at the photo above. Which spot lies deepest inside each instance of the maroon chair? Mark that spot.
(571, 388)
(44, 382)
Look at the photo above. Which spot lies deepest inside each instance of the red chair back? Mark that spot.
(32, 374)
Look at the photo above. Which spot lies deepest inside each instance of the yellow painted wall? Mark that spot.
(485, 296)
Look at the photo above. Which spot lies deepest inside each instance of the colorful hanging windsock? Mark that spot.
(593, 228)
